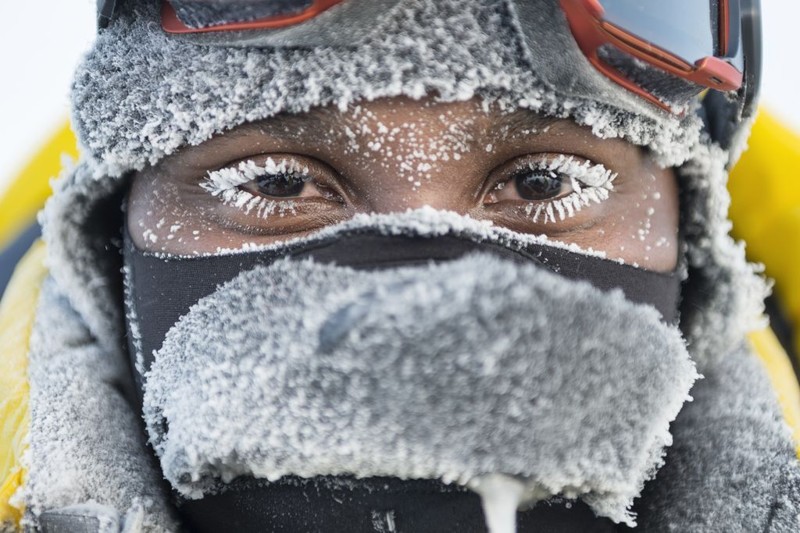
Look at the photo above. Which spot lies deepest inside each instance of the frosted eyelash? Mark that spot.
(224, 184)
(590, 182)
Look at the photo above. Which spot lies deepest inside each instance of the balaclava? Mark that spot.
(388, 388)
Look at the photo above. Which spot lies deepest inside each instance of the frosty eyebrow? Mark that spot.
(321, 121)
(521, 123)
(330, 125)
(287, 126)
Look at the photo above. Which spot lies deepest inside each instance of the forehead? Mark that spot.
(387, 119)
(405, 135)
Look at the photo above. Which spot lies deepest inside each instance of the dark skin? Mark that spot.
(395, 154)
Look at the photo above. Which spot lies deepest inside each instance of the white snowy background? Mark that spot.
(41, 42)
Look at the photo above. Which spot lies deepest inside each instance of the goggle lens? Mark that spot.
(689, 29)
(684, 27)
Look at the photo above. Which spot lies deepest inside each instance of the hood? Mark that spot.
(140, 96)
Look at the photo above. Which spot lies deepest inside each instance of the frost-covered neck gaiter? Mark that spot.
(380, 373)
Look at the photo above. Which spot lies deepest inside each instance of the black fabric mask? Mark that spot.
(162, 289)
(373, 505)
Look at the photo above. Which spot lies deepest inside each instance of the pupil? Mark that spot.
(538, 184)
(280, 185)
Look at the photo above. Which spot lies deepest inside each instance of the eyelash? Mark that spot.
(224, 184)
(591, 182)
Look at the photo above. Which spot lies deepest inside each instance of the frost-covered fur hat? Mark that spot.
(140, 95)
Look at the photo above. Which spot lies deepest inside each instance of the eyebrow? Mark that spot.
(521, 123)
(319, 122)
(277, 126)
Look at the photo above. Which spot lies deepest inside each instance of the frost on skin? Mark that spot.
(405, 143)
(589, 182)
(339, 184)
(425, 221)
(223, 182)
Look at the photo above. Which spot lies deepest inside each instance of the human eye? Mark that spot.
(272, 186)
(551, 188)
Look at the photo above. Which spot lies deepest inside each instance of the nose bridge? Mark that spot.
(392, 193)
(426, 160)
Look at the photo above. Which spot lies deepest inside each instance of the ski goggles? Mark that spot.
(710, 44)
(664, 52)
(698, 41)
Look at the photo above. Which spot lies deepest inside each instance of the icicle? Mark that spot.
(500, 495)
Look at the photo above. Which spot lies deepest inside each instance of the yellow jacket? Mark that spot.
(765, 209)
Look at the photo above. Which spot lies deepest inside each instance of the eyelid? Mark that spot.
(583, 170)
(223, 181)
(228, 184)
(591, 182)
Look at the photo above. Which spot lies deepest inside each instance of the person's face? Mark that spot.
(288, 176)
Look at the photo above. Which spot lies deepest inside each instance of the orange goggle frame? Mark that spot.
(592, 31)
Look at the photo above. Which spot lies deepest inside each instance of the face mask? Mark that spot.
(389, 369)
